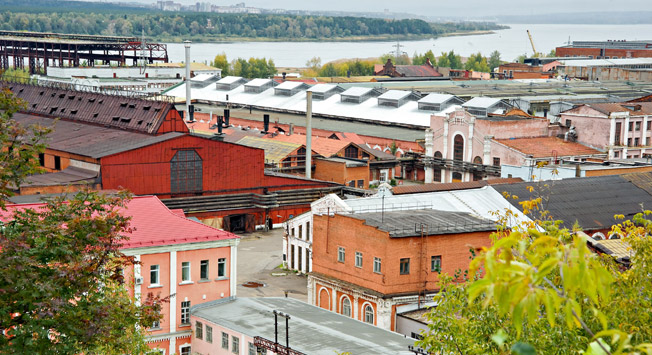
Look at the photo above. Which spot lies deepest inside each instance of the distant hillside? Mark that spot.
(109, 19)
(597, 18)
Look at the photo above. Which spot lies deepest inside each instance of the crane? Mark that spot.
(532, 43)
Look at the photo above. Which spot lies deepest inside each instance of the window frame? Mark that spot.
(369, 316)
(186, 272)
(209, 334)
(235, 344)
(435, 260)
(378, 265)
(204, 270)
(225, 340)
(341, 254)
(154, 270)
(221, 268)
(186, 172)
(185, 312)
(358, 259)
(404, 266)
(199, 330)
(346, 306)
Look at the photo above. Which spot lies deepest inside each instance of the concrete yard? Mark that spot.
(260, 255)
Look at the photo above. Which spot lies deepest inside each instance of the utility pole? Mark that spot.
(262, 343)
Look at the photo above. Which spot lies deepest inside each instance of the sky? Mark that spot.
(434, 8)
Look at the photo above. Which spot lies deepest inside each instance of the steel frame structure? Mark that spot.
(42, 50)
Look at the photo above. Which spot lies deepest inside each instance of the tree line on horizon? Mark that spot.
(174, 26)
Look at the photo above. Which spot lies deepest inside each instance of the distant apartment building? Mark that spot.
(623, 130)
(606, 49)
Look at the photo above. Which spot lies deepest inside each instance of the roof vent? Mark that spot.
(91, 99)
(123, 104)
(95, 115)
(116, 118)
(125, 119)
(41, 93)
(132, 105)
(71, 97)
(61, 96)
(146, 108)
(73, 112)
(101, 101)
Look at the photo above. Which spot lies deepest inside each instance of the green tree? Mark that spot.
(520, 58)
(539, 287)
(494, 60)
(477, 62)
(421, 59)
(314, 63)
(62, 289)
(222, 62)
(455, 60)
(552, 53)
(328, 70)
(443, 61)
(16, 75)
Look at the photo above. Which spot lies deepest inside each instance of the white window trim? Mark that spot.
(183, 347)
(189, 281)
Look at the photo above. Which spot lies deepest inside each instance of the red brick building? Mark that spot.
(606, 49)
(365, 265)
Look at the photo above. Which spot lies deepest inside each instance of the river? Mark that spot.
(510, 43)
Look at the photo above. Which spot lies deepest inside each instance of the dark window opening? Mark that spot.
(41, 159)
(405, 266)
(458, 147)
(351, 152)
(496, 161)
(186, 172)
(457, 177)
(57, 163)
(617, 133)
(437, 175)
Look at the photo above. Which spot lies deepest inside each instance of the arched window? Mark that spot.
(458, 147)
(186, 172)
(438, 154)
(477, 160)
(301, 156)
(346, 307)
(457, 177)
(368, 314)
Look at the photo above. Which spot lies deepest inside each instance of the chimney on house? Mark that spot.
(227, 115)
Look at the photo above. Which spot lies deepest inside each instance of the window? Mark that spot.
(186, 172)
(368, 314)
(358, 259)
(154, 274)
(199, 330)
(185, 312)
(185, 271)
(636, 142)
(377, 265)
(435, 263)
(649, 125)
(637, 126)
(458, 147)
(252, 349)
(221, 268)
(629, 142)
(631, 126)
(308, 231)
(457, 177)
(405, 266)
(156, 324)
(477, 160)
(185, 350)
(496, 161)
(346, 307)
(41, 159)
(57, 163)
(360, 184)
(203, 270)
(225, 341)
(235, 344)
(351, 152)
(209, 334)
(300, 232)
(341, 254)
(617, 133)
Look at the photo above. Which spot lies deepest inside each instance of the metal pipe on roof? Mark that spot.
(309, 134)
(188, 113)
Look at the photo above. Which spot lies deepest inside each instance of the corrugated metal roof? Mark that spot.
(230, 79)
(481, 102)
(356, 91)
(435, 98)
(434, 222)
(416, 189)
(275, 151)
(641, 180)
(395, 94)
(115, 111)
(591, 201)
(322, 88)
(70, 175)
(256, 83)
(90, 140)
(289, 85)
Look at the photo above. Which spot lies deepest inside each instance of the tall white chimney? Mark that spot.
(309, 134)
(187, 45)
(430, 173)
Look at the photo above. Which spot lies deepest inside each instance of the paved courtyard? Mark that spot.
(260, 257)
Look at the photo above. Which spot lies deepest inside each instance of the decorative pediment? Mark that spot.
(329, 204)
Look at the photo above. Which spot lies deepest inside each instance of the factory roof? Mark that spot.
(544, 147)
(313, 330)
(275, 151)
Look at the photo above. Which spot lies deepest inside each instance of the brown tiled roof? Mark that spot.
(121, 112)
(323, 146)
(543, 147)
(643, 108)
(450, 186)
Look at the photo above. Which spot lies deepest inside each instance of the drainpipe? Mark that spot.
(309, 134)
(188, 114)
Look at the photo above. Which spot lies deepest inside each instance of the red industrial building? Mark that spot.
(606, 49)
(115, 142)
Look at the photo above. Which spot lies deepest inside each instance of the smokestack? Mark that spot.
(189, 113)
(219, 124)
(291, 130)
(227, 115)
(429, 173)
(265, 123)
(309, 134)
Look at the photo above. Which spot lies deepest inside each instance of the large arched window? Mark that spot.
(477, 160)
(458, 147)
(186, 172)
(369, 314)
(346, 307)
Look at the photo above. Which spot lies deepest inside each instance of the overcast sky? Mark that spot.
(457, 8)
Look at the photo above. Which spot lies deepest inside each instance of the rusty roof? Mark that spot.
(69, 175)
(449, 186)
(641, 180)
(544, 147)
(91, 140)
(127, 113)
(417, 71)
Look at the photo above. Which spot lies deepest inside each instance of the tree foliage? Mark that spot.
(420, 59)
(62, 289)
(477, 62)
(450, 60)
(540, 287)
(253, 68)
(494, 60)
(222, 62)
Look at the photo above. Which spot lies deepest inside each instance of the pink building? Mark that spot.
(462, 144)
(623, 130)
(188, 261)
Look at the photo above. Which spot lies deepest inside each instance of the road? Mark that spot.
(260, 256)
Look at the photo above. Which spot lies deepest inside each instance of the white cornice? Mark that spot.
(181, 247)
